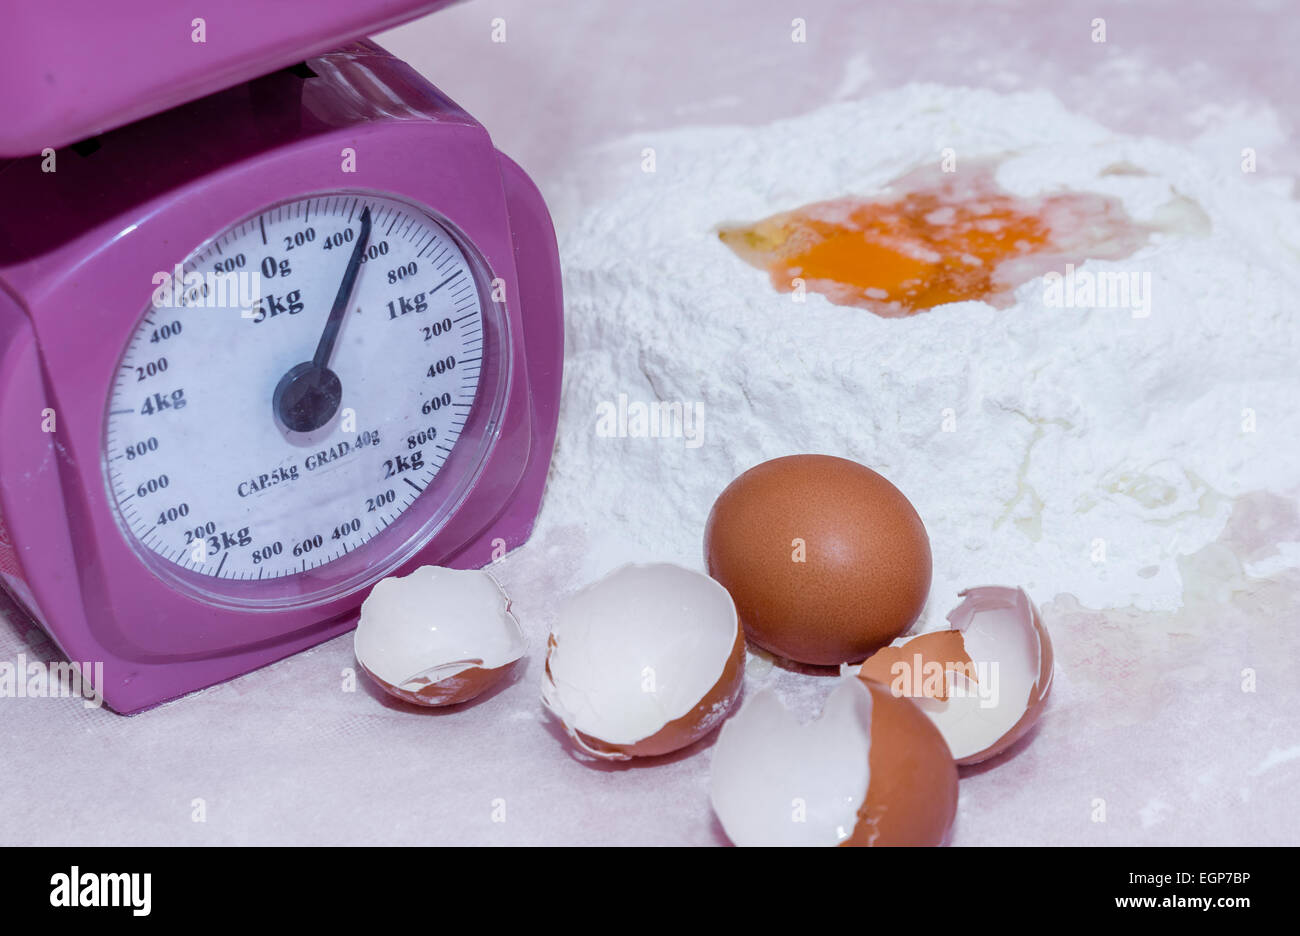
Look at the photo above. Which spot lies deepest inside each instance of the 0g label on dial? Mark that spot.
(295, 392)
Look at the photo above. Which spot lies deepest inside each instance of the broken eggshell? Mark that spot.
(870, 770)
(984, 681)
(644, 662)
(437, 636)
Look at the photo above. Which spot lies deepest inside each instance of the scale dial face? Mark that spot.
(294, 388)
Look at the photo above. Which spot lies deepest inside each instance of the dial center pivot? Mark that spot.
(307, 397)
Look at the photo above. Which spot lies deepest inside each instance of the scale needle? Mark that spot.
(307, 397)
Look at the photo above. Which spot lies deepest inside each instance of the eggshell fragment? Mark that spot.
(871, 770)
(827, 560)
(437, 636)
(944, 651)
(643, 662)
(992, 669)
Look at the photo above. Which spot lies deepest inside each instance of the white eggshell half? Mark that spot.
(437, 626)
(644, 661)
(777, 781)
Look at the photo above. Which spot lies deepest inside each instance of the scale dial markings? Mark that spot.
(196, 451)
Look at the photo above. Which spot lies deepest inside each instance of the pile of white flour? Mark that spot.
(1073, 450)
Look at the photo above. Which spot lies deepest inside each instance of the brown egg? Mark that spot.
(825, 559)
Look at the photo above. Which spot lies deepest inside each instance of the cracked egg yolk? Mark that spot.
(935, 238)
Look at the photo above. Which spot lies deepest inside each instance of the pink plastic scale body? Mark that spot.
(78, 249)
(75, 68)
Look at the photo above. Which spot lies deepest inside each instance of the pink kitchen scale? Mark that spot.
(276, 320)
